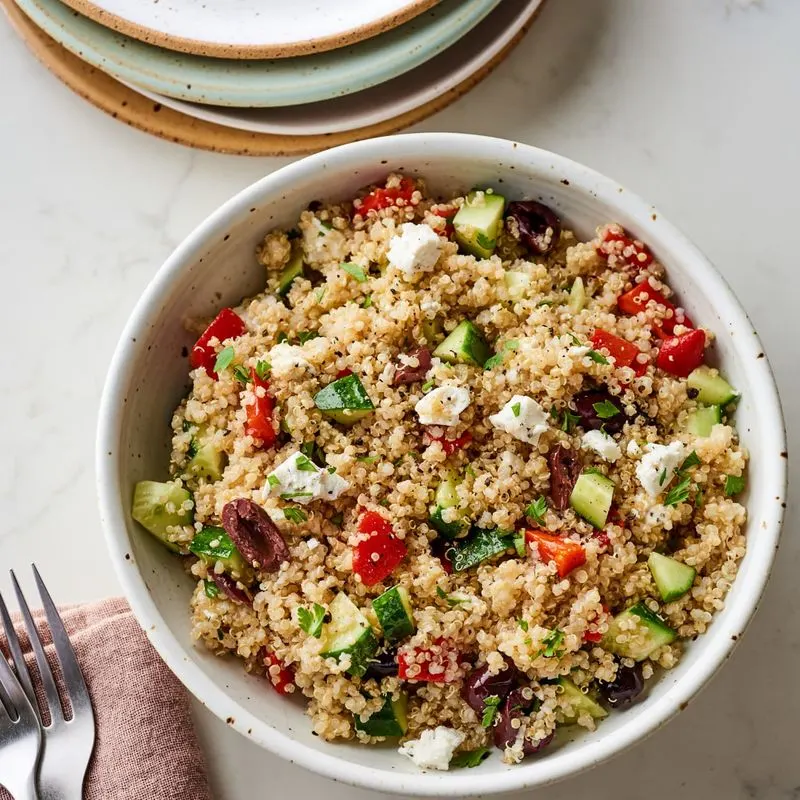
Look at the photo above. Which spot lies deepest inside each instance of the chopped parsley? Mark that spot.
(311, 620)
(490, 706)
(355, 271)
(451, 599)
(241, 374)
(598, 358)
(605, 409)
(662, 477)
(282, 337)
(224, 359)
(263, 369)
(337, 519)
(516, 409)
(569, 420)
(367, 302)
(211, 589)
(273, 480)
(537, 509)
(313, 451)
(470, 758)
(552, 644)
(698, 498)
(305, 464)
(678, 493)
(295, 515)
(692, 460)
(734, 484)
(497, 358)
(307, 336)
(367, 459)
(320, 293)
(523, 624)
(470, 471)
(427, 386)
(291, 495)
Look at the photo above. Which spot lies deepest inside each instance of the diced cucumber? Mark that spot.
(432, 330)
(481, 545)
(712, 387)
(517, 283)
(592, 496)
(577, 296)
(703, 419)
(294, 269)
(394, 613)
(651, 633)
(158, 507)
(207, 461)
(349, 633)
(520, 543)
(478, 223)
(345, 400)
(581, 703)
(447, 497)
(212, 544)
(464, 344)
(672, 578)
(391, 720)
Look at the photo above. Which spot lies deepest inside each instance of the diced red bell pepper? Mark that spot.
(376, 556)
(438, 663)
(624, 353)
(260, 413)
(568, 555)
(624, 249)
(384, 197)
(595, 636)
(679, 355)
(280, 676)
(636, 300)
(226, 325)
(448, 445)
(343, 373)
(448, 214)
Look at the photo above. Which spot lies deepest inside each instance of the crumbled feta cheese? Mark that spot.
(285, 358)
(434, 748)
(312, 543)
(602, 444)
(429, 307)
(415, 250)
(522, 417)
(276, 514)
(443, 405)
(633, 448)
(658, 466)
(301, 480)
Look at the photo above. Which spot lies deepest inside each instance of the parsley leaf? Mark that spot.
(224, 359)
(273, 480)
(598, 358)
(678, 493)
(470, 471)
(427, 386)
(295, 514)
(307, 336)
(575, 340)
(282, 337)
(662, 477)
(355, 271)
(516, 409)
(523, 624)
(311, 621)
(692, 460)
(367, 302)
(698, 498)
(337, 519)
(734, 484)
(470, 758)
(263, 369)
(305, 464)
(569, 420)
(552, 643)
(537, 509)
(367, 459)
(482, 240)
(313, 451)
(497, 358)
(605, 409)
(320, 293)
(211, 589)
(451, 599)
(241, 374)
(490, 706)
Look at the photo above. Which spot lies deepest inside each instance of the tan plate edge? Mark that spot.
(134, 109)
(202, 48)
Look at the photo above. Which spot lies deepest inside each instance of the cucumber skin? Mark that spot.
(143, 502)
(465, 344)
(593, 508)
(360, 652)
(293, 269)
(661, 633)
(391, 720)
(345, 400)
(449, 530)
(668, 589)
(581, 702)
(394, 615)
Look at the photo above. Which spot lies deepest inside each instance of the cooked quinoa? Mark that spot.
(452, 466)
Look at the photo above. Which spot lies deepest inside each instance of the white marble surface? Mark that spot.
(693, 103)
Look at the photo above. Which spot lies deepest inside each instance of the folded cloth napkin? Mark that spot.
(146, 745)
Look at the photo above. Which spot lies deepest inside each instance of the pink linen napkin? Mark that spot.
(146, 745)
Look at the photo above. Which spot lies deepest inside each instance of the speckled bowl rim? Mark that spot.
(200, 47)
(662, 235)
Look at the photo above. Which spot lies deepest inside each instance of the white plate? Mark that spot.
(251, 28)
(391, 99)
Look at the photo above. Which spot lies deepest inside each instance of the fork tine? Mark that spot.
(16, 653)
(50, 689)
(73, 677)
(13, 689)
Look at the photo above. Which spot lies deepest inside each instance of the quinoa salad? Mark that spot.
(455, 479)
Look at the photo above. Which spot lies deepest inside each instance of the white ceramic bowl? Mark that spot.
(215, 266)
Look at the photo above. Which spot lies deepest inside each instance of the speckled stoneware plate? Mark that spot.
(381, 103)
(125, 104)
(290, 81)
(251, 28)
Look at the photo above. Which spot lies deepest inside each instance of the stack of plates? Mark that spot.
(271, 76)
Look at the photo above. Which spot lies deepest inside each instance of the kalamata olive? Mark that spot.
(596, 408)
(565, 467)
(407, 374)
(535, 225)
(480, 685)
(384, 665)
(625, 688)
(255, 535)
(228, 586)
(505, 733)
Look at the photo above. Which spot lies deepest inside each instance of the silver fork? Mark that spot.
(20, 737)
(68, 738)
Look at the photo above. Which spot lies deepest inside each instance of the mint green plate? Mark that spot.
(260, 83)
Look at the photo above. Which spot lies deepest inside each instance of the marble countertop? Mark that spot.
(694, 104)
